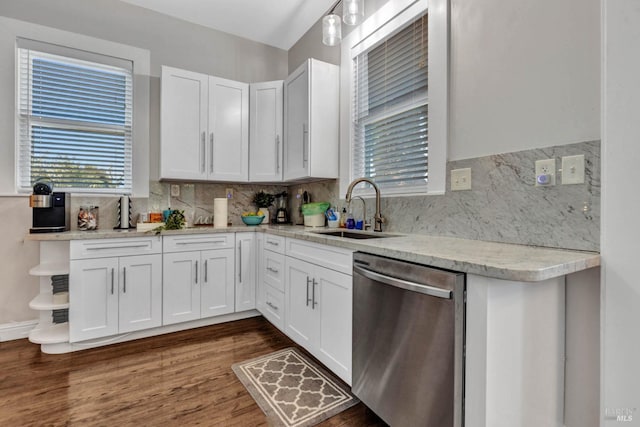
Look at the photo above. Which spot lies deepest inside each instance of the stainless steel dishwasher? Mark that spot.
(408, 338)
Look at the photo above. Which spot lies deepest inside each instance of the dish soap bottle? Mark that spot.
(350, 223)
(343, 218)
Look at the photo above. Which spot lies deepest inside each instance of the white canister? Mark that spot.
(314, 220)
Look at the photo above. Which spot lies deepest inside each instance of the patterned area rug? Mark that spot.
(293, 390)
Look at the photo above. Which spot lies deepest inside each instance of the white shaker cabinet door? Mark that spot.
(216, 282)
(265, 132)
(183, 124)
(245, 271)
(93, 298)
(180, 287)
(228, 139)
(260, 286)
(311, 118)
(140, 305)
(296, 148)
(334, 303)
(301, 319)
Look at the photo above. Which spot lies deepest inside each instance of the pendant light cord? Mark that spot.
(334, 7)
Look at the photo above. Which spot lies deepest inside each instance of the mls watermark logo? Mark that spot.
(619, 414)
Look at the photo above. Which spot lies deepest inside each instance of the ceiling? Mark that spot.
(278, 23)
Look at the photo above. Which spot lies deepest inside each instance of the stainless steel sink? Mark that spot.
(351, 234)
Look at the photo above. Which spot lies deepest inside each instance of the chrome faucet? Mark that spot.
(379, 220)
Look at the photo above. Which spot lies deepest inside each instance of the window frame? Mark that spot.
(388, 20)
(141, 58)
(73, 57)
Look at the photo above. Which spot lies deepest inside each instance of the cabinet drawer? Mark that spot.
(274, 243)
(337, 259)
(197, 242)
(273, 269)
(101, 248)
(274, 307)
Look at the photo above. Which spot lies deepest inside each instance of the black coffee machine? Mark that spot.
(50, 210)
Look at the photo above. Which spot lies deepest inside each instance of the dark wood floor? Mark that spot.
(184, 378)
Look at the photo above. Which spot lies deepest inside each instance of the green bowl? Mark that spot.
(252, 220)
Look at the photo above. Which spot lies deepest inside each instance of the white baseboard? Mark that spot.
(16, 330)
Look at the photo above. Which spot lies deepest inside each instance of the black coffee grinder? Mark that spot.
(50, 210)
(282, 214)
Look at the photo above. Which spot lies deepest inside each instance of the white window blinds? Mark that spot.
(390, 126)
(75, 123)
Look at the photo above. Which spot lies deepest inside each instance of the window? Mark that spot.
(75, 120)
(394, 99)
(390, 110)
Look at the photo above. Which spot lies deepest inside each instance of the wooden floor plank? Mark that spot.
(181, 379)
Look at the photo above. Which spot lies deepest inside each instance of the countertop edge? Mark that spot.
(551, 263)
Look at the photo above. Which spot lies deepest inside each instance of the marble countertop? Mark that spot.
(497, 260)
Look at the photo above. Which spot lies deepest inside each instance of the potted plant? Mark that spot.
(262, 201)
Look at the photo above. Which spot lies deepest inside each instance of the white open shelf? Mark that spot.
(50, 269)
(54, 334)
(45, 302)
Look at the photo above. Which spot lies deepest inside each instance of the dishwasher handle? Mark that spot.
(404, 284)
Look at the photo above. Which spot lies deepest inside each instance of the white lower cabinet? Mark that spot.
(197, 283)
(318, 312)
(273, 309)
(259, 272)
(114, 294)
(272, 276)
(245, 271)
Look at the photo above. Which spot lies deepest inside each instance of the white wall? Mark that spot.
(523, 74)
(620, 212)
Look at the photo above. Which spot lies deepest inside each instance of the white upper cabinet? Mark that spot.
(183, 124)
(311, 118)
(265, 133)
(204, 131)
(228, 130)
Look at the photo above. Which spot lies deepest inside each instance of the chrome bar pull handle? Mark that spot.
(240, 261)
(124, 280)
(204, 151)
(206, 269)
(211, 153)
(313, 294)
(305, 136)
(196, 272)
(112, 279)
(308, 299)
(277, 153)
(275, 307)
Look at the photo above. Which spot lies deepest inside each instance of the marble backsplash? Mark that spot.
(503, 204)
(196, 200)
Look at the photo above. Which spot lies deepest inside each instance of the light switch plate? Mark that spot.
(175, 190)
(573, 169)
(461, 179)
(229, 193)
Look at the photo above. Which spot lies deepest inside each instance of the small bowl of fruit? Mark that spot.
(252, 218)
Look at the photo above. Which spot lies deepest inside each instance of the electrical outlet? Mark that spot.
(461, 179)
(573, 169)
(175, 190)
(229, 193)
(545, 172)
